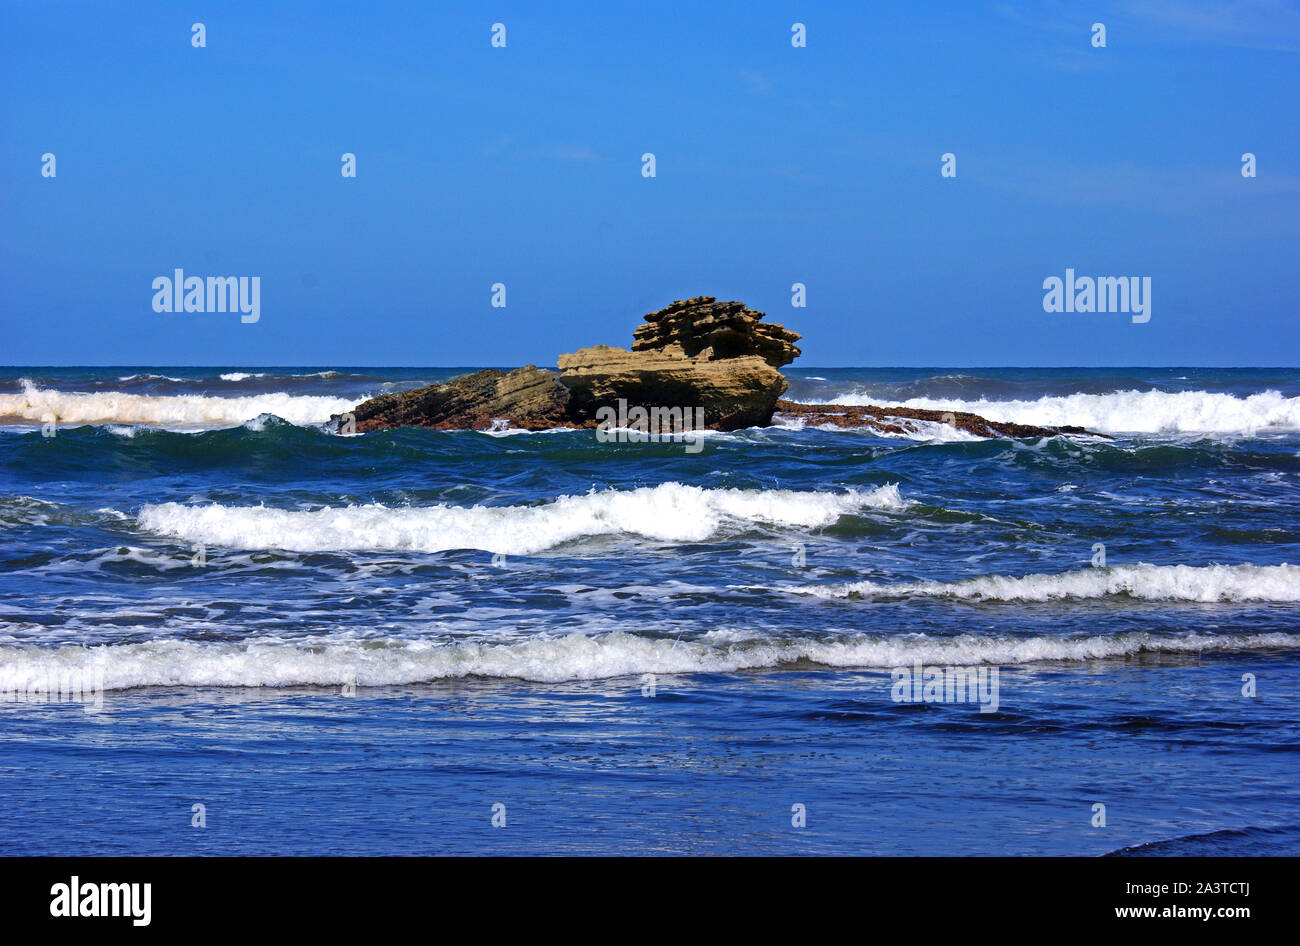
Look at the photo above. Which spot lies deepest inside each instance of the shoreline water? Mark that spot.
(712, 764)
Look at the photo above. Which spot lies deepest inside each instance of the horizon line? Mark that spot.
(336, 366)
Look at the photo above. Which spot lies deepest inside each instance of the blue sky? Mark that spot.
(775, 165)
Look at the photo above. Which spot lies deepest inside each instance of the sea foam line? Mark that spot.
(1195, 583)
(177, 410)
(1124, 411)
(669, 512)
(391, 662)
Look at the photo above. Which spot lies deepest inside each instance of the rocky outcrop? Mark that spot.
(710, 330)
(527, 397)
(696, 353)
(733, 392)
(897, 420)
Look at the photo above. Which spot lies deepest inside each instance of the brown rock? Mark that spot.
(710, 330)
(695, 353)
(735, 392)
(527, 397)
(894, 420)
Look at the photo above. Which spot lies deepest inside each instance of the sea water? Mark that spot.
(226, 630)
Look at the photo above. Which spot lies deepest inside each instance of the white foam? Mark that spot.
(1127, 411)
(670, 512)
(906, 428)
(273, 662)
(1205, 583)
(182, 410)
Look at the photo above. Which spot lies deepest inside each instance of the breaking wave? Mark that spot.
(670, 512)
(1206, 584)
(181, 410)
(1126, 411)
(272, 662)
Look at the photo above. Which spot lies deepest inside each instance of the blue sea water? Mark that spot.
(380, 644)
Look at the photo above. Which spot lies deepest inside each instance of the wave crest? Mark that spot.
(178, 410)
(277, 663)
(670, 512)
(1125, 411)
(1205, 583)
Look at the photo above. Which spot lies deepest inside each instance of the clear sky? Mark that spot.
(775, 165)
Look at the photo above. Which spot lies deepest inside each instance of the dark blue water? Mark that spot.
(363, 644)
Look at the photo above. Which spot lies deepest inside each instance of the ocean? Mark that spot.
(226, 630)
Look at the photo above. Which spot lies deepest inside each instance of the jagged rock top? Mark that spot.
(707, 329)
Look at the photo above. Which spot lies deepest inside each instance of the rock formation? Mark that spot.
(527, 397)
(734, 392)
(710, 330)
(695, 353)
(896, 420)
